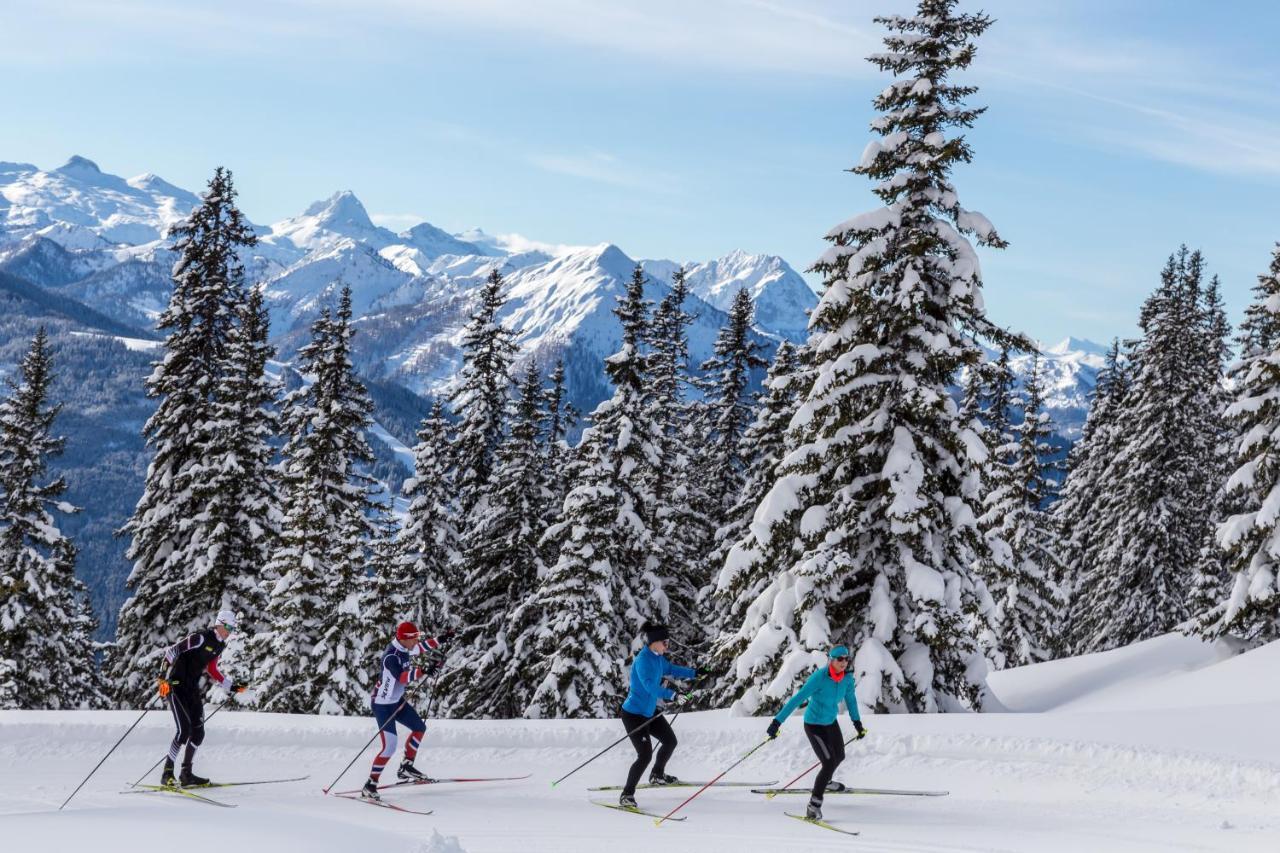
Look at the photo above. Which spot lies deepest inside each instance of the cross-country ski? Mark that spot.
(887, 792)
(825, 824)
(630, 809)
(177, 791)
(683, 784)
(382, 803)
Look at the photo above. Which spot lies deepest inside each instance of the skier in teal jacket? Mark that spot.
(825, 690)
(640, 711)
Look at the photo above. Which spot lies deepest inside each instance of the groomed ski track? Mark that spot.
(1018, 782)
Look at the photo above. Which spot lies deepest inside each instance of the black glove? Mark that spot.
(862, 730)
(772, 731)
(701, 672)
(236, 687)
(433, 664)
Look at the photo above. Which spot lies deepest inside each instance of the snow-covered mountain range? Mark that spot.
(99, 238)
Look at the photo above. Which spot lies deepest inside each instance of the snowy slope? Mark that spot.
(1200, 774)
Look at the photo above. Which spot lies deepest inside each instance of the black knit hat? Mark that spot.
(654, 632)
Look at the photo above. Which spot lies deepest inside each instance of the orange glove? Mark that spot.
(162, 684)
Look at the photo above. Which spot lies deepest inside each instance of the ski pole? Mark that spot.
(774, 793)
(390, 721)
(659, 821)
(637, 729)
(157, 764)
(146, 709)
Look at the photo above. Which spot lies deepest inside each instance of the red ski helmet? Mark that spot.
(407, 631)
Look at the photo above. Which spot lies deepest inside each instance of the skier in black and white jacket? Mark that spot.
(186, 661)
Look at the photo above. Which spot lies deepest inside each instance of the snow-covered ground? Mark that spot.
(1169, 745)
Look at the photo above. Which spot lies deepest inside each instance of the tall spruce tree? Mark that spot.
(1212, 577)
(682, 515)
(1250, 534)
(1153, 521)
(882, 480)
(738, 584)
(604, 584)
(428, 545)
(503, 565)
(736, 356)
(1086, 491)
(244, 490)
(46, 625)
(1023, 537)
(488, 350)
(313, 651)
(181, 576)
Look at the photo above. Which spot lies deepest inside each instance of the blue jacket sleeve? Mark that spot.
(391, 663)
(675, 671)
(646, 678)
(802, 694)
(851, 697)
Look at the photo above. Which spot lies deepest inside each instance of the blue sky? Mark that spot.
(1115, 131)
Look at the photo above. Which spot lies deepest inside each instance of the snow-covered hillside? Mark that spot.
(1185, 762)
(98, 237)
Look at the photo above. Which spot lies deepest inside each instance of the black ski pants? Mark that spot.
(828, 744)
(659, 729)
(188, 714)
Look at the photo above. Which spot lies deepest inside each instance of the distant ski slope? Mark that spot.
(1200, 775)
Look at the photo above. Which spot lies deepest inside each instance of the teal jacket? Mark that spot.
(824, 695)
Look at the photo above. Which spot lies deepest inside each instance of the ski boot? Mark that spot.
(190, 780)
(166, 775)
(660, 779)
(409, 773)
(627, 801)
(813, 811)
(370, 791)
(836, 786)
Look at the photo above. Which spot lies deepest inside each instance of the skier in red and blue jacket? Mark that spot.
(398, 670)
(641, 710)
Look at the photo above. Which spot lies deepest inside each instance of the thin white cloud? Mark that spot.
(602, 168)
(397, 221)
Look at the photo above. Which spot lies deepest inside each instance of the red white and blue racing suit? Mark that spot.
(397, 671)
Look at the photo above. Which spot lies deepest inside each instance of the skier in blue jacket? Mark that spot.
(640, 711)
(825, 690)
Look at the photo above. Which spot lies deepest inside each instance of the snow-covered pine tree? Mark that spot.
(428, 543)
(177, 563)
(1086, 491)
(738, 584)
(1152, 523)
(561, 418)
(313, 651)
(390, 593)
(244, 492)
(1022, 534)
(1250, 535)
(577, 626)
(1211, 580)
(883, 478)
(682, 517)
(503, 565)
(488, 350)
(736, 357)
(46, 626)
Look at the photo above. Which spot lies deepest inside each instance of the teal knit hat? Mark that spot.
(839, 652)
